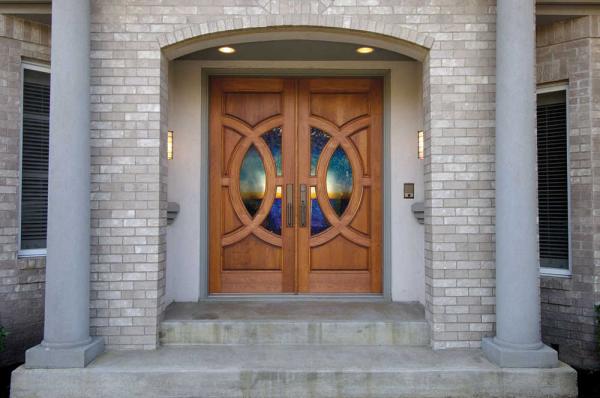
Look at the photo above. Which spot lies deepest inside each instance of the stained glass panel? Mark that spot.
(318, 222)
(252, 180)
(318, 140)
(273, 221)
(339, 181)
(273, 140)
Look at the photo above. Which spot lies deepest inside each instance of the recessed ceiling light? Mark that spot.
(227, 50)
(365, 50)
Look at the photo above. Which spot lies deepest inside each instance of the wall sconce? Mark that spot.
(170, 145)
(421, 145)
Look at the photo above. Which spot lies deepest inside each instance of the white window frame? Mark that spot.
(38, 67)
(558, 272)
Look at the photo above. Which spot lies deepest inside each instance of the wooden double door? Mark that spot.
(295, 185)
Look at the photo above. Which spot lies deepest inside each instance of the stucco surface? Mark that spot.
(186, 276)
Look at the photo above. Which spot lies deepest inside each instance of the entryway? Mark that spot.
(295, 199)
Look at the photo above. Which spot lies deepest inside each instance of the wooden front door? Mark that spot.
(295, 185)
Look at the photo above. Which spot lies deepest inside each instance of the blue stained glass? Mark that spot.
(273, 221)
(318, 222)
(253, 180)
(339, 181)
(318, 140)
(273, 140)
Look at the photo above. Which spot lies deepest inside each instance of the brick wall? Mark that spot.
(21, 279)
(459, 179)
(129, 127)
(569, 51)
(129, 92)
(595, 145)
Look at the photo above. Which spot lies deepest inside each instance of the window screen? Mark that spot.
(553, 186)
(34, 159)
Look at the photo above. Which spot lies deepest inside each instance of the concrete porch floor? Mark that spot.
(317, 349)
(293, 371)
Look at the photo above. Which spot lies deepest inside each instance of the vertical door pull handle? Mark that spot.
(289, 204)
(303, 201)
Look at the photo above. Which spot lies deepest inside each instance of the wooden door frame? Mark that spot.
(204, 179)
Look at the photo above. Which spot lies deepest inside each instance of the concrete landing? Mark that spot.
(294, 371)
(295, 322)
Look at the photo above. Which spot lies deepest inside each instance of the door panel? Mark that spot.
(339, 158)
(251, 159)
(295, 185)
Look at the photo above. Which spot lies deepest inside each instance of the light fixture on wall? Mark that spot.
(420, 144)
(226, 50)
(170, 145)
(365, 50)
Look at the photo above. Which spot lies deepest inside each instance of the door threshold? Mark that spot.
(297, 297)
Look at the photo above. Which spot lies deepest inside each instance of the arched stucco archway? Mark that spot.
(357, 31)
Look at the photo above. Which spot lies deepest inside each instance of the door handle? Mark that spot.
(303, 201)
(289, 205)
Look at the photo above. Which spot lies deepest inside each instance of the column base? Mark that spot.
(43, 356)
(507, 356)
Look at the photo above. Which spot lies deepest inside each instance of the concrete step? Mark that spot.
(294, 371)
(295, 322)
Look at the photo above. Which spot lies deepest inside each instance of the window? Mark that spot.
(553, 181)
(34, 160)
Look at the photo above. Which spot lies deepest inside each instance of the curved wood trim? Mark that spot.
(238, 125)
(349, 128)
(339, 224)
(268, 124)
(253, 224)
(324, 125)
(251, 132)
(356, 124)
(356, 237)
(344, 230)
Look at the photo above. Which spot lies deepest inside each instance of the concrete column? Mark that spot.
(67, 342)
(518, 338)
